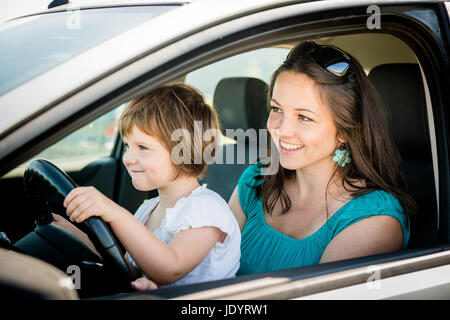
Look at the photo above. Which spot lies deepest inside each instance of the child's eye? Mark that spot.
(141, 147)
(275, 109)
(125, 145)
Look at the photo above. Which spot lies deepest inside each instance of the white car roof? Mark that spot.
(79, 4)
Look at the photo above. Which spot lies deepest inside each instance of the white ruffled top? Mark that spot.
(202, 207)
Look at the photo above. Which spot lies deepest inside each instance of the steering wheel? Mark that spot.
(42, 175)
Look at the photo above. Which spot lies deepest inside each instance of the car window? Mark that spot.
(257, 64)
(90, 143)
(33, 45)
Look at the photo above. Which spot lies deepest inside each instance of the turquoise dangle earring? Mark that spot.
(342, 156)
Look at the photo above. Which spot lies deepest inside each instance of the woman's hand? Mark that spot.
(63, 223)
(85, 202)
(143, 284)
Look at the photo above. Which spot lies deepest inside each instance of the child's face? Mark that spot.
(147, 161)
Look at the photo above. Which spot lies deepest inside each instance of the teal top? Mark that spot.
(265, 249)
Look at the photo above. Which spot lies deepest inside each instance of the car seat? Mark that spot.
(240, 103)
(402, 93)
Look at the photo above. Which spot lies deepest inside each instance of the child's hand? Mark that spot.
(85, 202)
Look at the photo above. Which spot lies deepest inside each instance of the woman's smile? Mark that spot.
(290, 148)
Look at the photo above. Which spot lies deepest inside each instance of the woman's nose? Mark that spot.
(286, 128)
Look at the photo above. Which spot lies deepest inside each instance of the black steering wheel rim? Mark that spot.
(42, 174)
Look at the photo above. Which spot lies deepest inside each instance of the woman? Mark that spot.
(338, 193)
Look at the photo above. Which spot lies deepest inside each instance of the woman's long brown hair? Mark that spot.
(360, 121)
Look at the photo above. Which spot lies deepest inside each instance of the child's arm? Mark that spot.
(161, 262)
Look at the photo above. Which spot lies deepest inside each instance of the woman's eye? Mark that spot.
(303, 118)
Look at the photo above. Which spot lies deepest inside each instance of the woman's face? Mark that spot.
(300, 124)
(147, 161)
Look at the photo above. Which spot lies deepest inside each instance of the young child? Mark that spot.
(187, 234)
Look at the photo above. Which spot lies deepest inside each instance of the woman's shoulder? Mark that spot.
(378, 201)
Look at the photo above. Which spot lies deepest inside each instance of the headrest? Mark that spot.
(401, 89)
(240, 103)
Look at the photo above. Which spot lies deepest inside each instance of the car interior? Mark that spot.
(240, 101)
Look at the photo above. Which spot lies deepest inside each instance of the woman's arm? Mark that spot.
(236, 208)
(374, 235)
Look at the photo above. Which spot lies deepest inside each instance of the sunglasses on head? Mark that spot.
(329, 58)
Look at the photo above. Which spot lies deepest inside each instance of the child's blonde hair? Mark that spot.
(162, 111)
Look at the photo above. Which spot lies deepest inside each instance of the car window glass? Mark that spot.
(33, 45)
(257, 64)
(90, 143)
